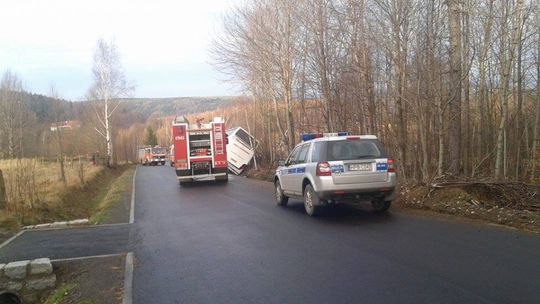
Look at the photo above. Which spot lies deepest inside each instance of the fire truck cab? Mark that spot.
(200, 151)
(151, 155)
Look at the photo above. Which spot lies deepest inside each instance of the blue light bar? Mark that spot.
(310, 136)
(307, 136)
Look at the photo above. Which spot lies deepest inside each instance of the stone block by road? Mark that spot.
(41, 266)
(13, 285)
(16, 270)
(41, 283)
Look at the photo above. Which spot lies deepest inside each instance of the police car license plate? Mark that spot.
(360, 167)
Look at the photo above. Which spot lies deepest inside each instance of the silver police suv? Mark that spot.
(325, 170)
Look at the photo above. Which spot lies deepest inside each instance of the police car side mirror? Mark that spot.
(281, 163)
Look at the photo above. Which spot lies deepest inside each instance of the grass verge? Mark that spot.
(60, 293)
(88, 281)
(119, 191)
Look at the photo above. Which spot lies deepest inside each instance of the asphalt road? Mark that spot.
(67, 243)
(212, 243)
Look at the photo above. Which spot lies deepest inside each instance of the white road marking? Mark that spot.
(75, 227)
(132, 209)
(12, 238)
(87, 257)
(128, 280)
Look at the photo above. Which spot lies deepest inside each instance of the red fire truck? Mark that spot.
(151, 155)
(199, 150)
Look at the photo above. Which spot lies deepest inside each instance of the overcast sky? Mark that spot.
(163, 44)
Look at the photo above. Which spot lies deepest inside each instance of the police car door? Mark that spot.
(285, 177)
(298, 170)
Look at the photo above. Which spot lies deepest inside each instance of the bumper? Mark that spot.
(326, 189)
(189, 175)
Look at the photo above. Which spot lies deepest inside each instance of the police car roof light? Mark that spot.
(310, 136)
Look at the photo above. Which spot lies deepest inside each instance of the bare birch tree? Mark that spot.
(110, 85)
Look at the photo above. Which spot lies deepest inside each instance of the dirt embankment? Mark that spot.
(266, 174)
(512, 204)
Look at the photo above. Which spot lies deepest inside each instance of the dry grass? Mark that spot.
(44, 177)
(33, 184)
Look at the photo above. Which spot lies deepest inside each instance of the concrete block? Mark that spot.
(46, 225)
(30, 298)
(41, 283)
(58, 224)
(13, 285)
(41, 266)
(16, 270)
(78, 222)
(2, 268)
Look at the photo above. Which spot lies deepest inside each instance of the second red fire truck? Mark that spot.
(199, 149)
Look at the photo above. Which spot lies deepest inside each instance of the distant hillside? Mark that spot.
(131, 110)
(43, 107)
(142, 108)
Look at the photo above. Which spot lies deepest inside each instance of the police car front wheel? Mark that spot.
(281, 199)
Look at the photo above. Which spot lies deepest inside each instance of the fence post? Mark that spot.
(3, 201)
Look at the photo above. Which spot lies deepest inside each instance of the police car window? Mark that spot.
(317, 152)
(302, 154)
(293, 156)
(352, 149)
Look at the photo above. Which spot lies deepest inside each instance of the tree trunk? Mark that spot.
(454, 126)
(506, 66)
(535, 140)
(466, 90)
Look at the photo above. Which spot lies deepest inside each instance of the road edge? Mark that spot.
(6, 242)
(128, 279)
(132, 207)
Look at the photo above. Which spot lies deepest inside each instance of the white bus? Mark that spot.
(240, 149)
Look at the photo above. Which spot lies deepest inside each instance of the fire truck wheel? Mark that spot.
(183, 184)
(222, 179)
(281, 199)
(163, 163)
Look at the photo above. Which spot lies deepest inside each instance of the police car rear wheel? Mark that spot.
(281, 199)
(310, 200)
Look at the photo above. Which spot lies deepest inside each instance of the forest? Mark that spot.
(451, 87)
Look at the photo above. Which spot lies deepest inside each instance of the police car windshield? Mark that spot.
(352, 149)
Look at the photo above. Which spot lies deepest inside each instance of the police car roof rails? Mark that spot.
(310, 136)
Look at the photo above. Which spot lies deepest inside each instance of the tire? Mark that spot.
(381, 206)
(172, 164)
(281, 199)
(183, 184)
(222, 179)
(311, 198)
(163, 163)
